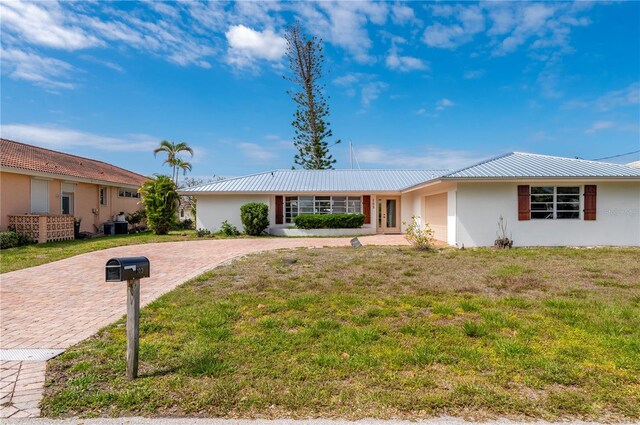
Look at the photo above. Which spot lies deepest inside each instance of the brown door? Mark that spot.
(388, 214)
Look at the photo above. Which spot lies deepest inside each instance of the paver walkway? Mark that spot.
(57, 305)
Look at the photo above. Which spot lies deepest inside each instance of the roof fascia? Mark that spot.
(66, 177)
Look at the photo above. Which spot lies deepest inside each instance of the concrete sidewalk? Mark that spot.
(200, 421)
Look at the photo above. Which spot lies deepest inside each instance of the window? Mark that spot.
(127, 193)
(295, 205)
(103, 196)
(550, 202)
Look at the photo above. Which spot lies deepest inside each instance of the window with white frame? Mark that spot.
(127, 193)
(103, 194)
(296, 205)
(555, 202)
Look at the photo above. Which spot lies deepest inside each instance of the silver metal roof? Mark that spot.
(528, 165)
(283, 181)
(513, 165)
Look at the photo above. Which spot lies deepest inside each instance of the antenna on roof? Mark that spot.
(352, 156)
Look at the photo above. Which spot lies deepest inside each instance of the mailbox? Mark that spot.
(127, 268)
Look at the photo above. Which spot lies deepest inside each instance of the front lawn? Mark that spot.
(377, 332)
(33, 255)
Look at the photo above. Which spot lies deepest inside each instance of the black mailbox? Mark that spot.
(127, 268)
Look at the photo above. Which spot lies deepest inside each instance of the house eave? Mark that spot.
(66, 177)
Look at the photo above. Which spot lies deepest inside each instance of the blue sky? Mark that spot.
(412, 85)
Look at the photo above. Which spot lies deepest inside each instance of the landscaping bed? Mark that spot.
(377, 332)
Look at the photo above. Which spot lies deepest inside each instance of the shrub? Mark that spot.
(329, 221)
(161, 203)
(229, 229)
(502, 240)
(9, 240)
(187, 223)
(255, 218)
(420, 238)
(201, 233)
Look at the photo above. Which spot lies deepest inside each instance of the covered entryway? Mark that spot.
(435, 214)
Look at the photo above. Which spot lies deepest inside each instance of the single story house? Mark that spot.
(544, 200)
(44, 182)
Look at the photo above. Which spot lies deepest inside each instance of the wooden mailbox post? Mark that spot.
(131, 270)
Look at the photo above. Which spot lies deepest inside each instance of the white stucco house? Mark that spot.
(544, 200)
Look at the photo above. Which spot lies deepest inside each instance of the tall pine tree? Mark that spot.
(310, 128)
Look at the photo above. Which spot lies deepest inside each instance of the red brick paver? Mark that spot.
(59, 304)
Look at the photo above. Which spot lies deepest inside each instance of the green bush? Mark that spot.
(420, 238)
(329, 221)
(201, 233)
(255, 218)
(161, 203)
(229, 229)
(9, 240)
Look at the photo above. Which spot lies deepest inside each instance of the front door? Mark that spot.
(388, 215)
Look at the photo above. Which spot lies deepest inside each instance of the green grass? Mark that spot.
(524, 333)
(33, 255)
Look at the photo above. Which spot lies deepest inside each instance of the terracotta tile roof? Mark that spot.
(32, 158)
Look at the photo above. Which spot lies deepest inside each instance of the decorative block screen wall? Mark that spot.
(43, 228)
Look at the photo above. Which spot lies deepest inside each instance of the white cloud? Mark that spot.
(470, 22)
(55, 137)
(425, 158)
(473, 74)
(598, 126)
(628, 96)
(511, 25)
(247, 45)
(402, 63)
(367, 84)
(45, 24)
(371, 91)
(46, 72)
(256, 153)
(443, 104)
(343, 23)
(402, 14)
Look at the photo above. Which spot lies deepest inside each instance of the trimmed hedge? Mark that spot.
(329, 221)
(11, 239)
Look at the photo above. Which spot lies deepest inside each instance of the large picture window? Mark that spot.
(296, 205)
(549, 202)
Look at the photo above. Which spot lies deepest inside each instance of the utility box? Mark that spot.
(127, 268)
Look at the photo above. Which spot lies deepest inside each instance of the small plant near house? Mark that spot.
(229, 229)
(136, 220)
(201, 233)
(11, 239)
(255, 218)
(503, 242)
(420, 238)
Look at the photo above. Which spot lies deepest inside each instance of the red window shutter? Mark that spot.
(366, 208)
(279, 210)
(590, 201)
(524, 203)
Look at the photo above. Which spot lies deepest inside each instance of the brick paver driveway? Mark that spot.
(59, 304)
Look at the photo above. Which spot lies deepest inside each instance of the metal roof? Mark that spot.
(528, 165)
(283, 181)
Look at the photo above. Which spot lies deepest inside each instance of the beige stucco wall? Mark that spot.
(435, 214)
(15, 198)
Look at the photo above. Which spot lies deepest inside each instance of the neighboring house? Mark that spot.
(40, 181)
(544, 200)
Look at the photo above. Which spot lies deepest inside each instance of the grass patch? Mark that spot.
(349, 333)
(33, 255)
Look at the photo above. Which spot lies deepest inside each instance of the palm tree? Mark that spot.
(173, 149)
(183, 165)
